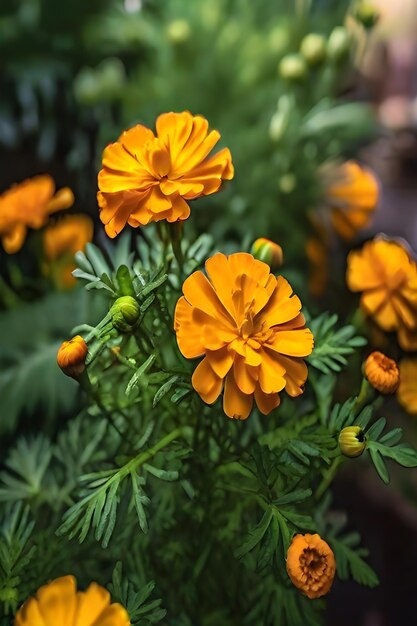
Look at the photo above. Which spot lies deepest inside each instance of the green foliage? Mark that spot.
(331, 345)
(16, 553)
(141, 610)
(385, 446)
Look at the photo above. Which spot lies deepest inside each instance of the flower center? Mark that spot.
(312, 563)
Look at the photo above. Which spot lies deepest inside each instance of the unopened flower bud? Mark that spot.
(313, 48)
(268, 251)
(352, 441)
(125, 313)
(338, 44)
(72, 355)
(178, 31)
(366, 14)
(293, 67)
(382, 373)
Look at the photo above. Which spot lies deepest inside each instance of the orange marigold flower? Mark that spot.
(147, 178)
(248, 325)
(387, 277)
(352, 196)
(407, 391)
(72, 355)
(382, 373)
(28, 205)
(311, 565)
(58, 603)
(61, 241)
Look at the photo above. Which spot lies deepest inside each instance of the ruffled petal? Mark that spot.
(206, 383)
(236, 404)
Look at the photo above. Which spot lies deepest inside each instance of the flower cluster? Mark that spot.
(148, 178)
(248, 326)
(386, 275)
(29, 205)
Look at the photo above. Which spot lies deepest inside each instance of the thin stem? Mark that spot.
(329, 476)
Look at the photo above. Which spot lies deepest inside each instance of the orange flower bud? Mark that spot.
(268, 251)
(72, 355)
(311, 565)
(382, 373)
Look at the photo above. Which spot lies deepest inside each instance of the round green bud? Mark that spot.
(352, 441)
(268, 251)
(293, 67)
(366, 14)
(313, 48)
(124, 313)
(178, 31)
(338, 44)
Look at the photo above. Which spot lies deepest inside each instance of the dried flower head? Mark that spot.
(311, 565)
(72, 355)
(352, 441)
(387, 277)
(382, 373)
(247, 323)
(28, 205)
(148, 178)
(59, 603)
(407, 391)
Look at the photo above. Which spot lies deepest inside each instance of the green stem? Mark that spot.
(328, 476)
(366, 396)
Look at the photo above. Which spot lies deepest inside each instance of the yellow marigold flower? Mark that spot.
(268, 251)
(248, 325)
(387, 277)
(407, 391)
(28, 205)
(59, 604)
(72, 355)
(61, 241)
(382, 373)
(311, 565)
(352, 196)
(352, 441)
(148, 178)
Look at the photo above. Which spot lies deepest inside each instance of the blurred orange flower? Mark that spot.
(387, 277)
(407, 391)
(311, 565)
(59, 603)
(28, 205)
(248, 325)
(352, 195)
(61, 241)
(147, 178)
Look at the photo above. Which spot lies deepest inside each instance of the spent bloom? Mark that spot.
(407, 391)
(59, 603)
(352, 441)
(149, 177)
(382, 373)
(72, 355)
(387, 277)
(60, 242)
(28, 205)
(351, 195)
(248, 326)
(311, 565)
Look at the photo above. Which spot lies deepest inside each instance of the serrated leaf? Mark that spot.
(379, 463)
(255, 535)
(164, 389)
(139, 373)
